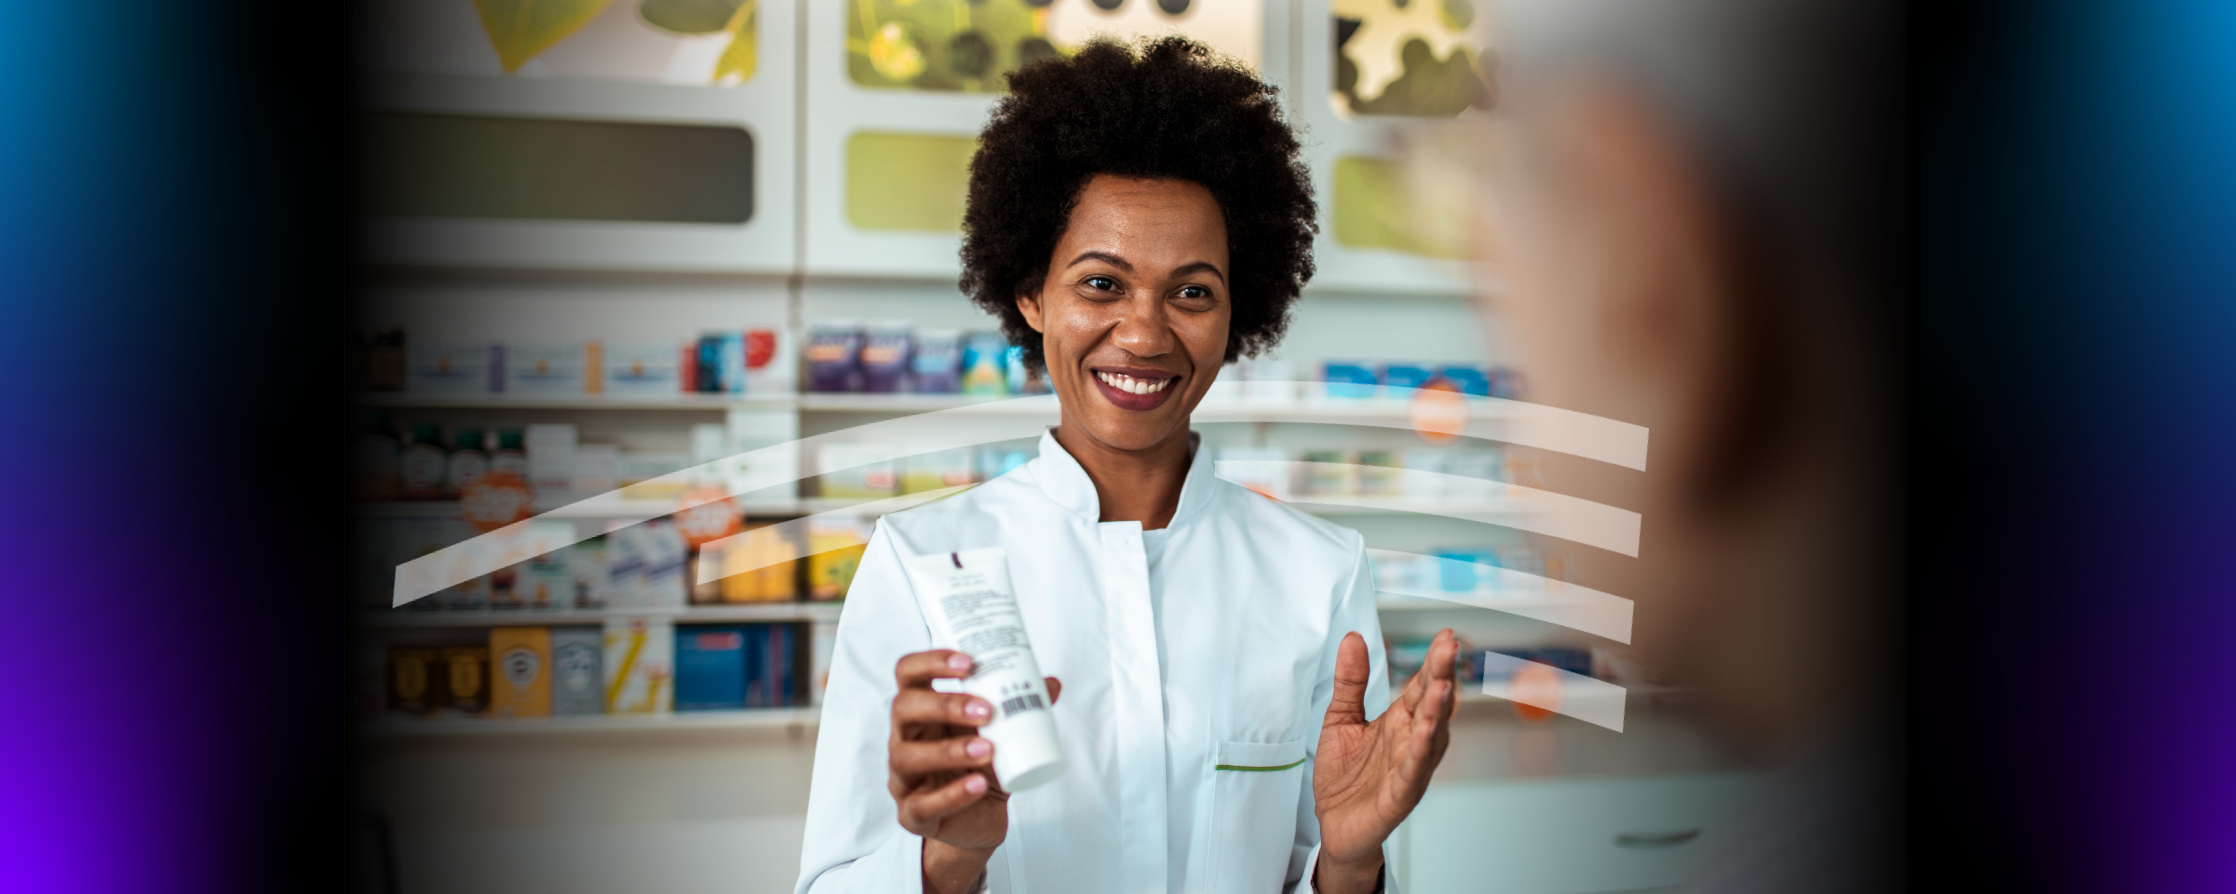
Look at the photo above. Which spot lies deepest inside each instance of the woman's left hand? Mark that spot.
(1368, 776)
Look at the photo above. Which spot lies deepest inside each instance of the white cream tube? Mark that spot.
(967, 599)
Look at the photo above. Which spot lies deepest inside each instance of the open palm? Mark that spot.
(1367, 776)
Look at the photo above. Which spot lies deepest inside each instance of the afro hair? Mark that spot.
(1171, 110)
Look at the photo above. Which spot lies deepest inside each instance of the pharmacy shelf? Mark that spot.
(1213, 409)
(1466, 509)
(640, 510)
(760, 612)
(392, 726)
(503, 400)
(907, 404)
(618, 510)
(1472, 694)
(1512, 602)
(697, 614)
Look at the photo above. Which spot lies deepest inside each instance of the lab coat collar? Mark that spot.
(1066, 482)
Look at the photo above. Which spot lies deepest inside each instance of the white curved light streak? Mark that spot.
(1512, 505)
(1537, 598)
(1585, 698)
(791, 537)
(1510, 421)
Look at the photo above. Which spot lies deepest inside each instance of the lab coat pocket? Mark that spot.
(1256, 787)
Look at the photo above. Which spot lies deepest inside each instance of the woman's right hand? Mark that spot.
(941, 772)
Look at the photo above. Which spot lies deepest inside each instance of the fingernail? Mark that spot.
(978, 749)
(978, 709)
(976, 784)
(959, 662)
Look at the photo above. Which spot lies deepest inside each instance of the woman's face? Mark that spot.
(1134, 312)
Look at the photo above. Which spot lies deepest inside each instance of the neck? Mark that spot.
(1131, 485)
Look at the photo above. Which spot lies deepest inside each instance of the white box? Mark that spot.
(640, 368)
(551, 463)
(544, 368)
(448, 368)
(1253, 467)
(597, 469)
(857, 470)
(749, 432)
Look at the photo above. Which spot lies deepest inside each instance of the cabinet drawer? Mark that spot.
(1560, 836)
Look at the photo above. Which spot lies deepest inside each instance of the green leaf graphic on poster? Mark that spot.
(689, 16)
(962, 46)
(907, 181)
(1423, 59)
(743, 56)
(1374, 208)
(1430, 87)
(519, 29)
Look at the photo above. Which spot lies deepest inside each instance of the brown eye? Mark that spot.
(1195, 292)
(1103, 283)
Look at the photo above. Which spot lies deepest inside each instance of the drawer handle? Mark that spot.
(1656, 839)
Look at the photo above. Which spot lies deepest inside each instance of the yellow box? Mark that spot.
(835, 550)
(760, 566)
(522, 683)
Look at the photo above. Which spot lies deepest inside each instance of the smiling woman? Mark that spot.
(1136, 220)
(1174, 112)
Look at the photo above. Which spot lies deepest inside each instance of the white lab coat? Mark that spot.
(1208, 644)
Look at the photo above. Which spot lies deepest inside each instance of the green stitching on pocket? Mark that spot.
(1258, 769)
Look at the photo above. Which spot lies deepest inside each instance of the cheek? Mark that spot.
(1206, 338)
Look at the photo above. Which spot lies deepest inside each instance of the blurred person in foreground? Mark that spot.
(1694, 213)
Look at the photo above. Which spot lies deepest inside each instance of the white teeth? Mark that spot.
(1132, 385)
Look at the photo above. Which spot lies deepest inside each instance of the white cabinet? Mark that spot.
(1567, 836)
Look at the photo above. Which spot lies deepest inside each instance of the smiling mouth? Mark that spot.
(1132, 385)
(1128, 391)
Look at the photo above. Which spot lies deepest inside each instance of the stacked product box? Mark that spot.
(727, 667)
(1419, 475)
(877, 471)
(755, 360)
(1358, 380)
(630, 666)
(892, 357)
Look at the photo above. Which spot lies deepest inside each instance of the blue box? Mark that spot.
(1472, 380)
(1405, 375)
(710, 667)
(1349, 380)
(832, 357)
(769, 656)
(884, 357)
(1453, 577)
(985, 368)
(938, 361)
(721, 358)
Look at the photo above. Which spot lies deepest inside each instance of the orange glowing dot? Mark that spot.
(1439, 412)
(1535, 692)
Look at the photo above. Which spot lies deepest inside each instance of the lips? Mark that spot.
(1135, 389)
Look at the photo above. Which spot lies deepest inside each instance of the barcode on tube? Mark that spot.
(1027, 702)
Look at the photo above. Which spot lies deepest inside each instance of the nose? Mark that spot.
(1143, 329)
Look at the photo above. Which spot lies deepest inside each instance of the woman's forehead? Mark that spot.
(1142, 220)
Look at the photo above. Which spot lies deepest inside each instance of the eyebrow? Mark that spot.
(1120, 263)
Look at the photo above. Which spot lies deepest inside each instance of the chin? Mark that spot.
(1110, 426)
